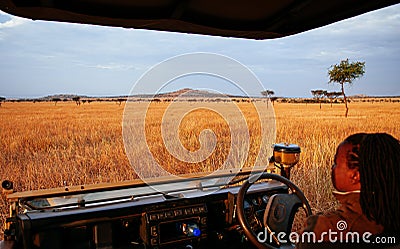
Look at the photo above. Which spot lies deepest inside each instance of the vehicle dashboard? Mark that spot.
(196, 218)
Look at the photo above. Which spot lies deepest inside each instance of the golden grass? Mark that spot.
(43, 145)
(201, 117)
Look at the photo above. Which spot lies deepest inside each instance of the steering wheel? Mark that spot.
(279, 212)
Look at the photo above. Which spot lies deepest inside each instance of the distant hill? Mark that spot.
(61, 96)
(186, 93)
(191, 93)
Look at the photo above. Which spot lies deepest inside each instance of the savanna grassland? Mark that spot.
(43, 145)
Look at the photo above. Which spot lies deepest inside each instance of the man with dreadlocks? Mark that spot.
(366, 176)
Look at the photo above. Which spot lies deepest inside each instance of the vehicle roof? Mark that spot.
(252, 19)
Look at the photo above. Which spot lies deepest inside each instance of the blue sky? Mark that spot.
(42, 58)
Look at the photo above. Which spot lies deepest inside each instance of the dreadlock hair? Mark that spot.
(377, 157)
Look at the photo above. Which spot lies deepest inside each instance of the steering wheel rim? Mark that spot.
(249, 233)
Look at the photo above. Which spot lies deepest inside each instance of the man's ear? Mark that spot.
(355, 176)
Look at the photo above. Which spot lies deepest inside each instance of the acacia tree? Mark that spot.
(273, 99)
(120, 100)
(77, 100)
(346, 72)
(1, 100)
(319, 94)
(268, 94)
(333, 95)
(55, 100)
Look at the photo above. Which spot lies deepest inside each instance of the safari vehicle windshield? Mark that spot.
(101, 194)
(95, 115)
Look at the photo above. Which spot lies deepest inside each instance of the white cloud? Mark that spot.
(111, 66)
(115, 67)
(380, 21)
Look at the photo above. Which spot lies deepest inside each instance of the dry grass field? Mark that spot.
(43, 145)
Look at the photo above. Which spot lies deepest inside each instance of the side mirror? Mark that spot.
(285, 157)
(7, 186)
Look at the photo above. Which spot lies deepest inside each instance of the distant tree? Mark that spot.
(333, 95)
(55, 100)
(1, 100)
(318, 95)
(77, 100)
(268, 93)
(120, 100)
(346, 72)
(273, 99)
